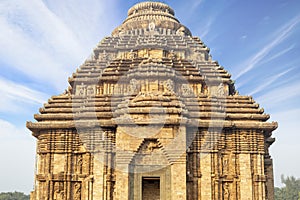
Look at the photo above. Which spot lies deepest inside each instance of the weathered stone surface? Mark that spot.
(152, 113)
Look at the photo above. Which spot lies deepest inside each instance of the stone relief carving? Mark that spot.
(121, 31)
(77, 191)
(133, 86)
(171, 55)
(151, 26)
(198, 56)
(205, 89)
(181, 31)
(169, 85)
(225, 164)
(132, 54)
(91, 90)
(80, 90)
(79, 164)
(149, 147)
(221, 90)
(186, 89)
(58, 191)
(226, 191)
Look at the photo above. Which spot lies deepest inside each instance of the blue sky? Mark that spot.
(44, 41)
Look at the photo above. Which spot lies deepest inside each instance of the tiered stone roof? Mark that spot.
(160, 52)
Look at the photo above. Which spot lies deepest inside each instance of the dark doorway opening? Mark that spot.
(151, 188)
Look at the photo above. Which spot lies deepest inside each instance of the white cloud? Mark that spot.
(280, 53)
(14, 96)
(280, 35)
(17, 152)
(45, 42)
(196, 4)
(269, 81)
(204, 30)
(40, 44)
(89, 20)
(244, 37)
(7, 128)
(278, 96)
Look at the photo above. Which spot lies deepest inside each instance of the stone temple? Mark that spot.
(151, 116)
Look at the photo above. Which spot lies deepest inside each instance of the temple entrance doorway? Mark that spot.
(151, 188)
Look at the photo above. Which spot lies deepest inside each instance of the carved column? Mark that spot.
(246, 189)
(205, 167)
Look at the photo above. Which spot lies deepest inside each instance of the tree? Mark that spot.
(291, 190)
(13, 196)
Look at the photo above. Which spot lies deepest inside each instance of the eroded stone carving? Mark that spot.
(186, 90)
(169, 85)
(151, 26)
(181, 31)
(226, 192)
(221, 90)
(79, 164)
(77, 191)
(133, 86)
(58, 191)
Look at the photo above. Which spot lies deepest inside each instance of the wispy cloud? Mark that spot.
(269, 81)
(207, 27)
(243, 37)
(42, 45)
(8, 129)
(277, 55)
(196, 4)
(15, 95)
(278, 96)
(280, 35)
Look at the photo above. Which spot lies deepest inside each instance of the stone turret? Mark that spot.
(151, 16)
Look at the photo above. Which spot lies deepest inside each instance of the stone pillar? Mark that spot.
(178, 181)
(122, 179)
(98, 169)
(246, 189)
(260, 177)
(205, 167)
(126, 146)
(176, 150)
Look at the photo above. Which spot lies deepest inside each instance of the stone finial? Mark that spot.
(141, 15)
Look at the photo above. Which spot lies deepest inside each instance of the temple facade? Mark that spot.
(151, 116)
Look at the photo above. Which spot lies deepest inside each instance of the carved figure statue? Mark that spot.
(152, 146)
(132, 54)
(226, 191)
(186, 90)
(90, 91)
(205, 89)
(77, 191)
(133, 86)
(58, 192)
(221, 91)
(181, 31)
(169, 85)
(172, 55)
(225, 165)
(79, 165)
(81, 91)
(151, 26)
